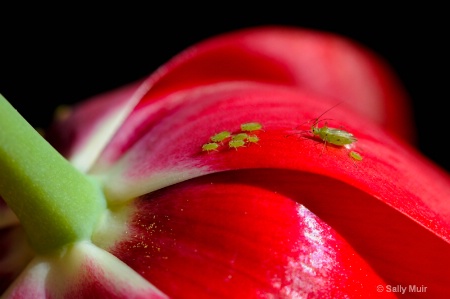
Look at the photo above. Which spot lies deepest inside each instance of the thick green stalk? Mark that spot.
(55, 203)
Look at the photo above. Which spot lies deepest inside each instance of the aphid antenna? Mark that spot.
(302, 124)
(314, 120)
(317, 120)
(298, 127)
(297, 133)
(315, 123)
(332, 107)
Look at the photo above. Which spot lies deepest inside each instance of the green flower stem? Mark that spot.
(55, 203)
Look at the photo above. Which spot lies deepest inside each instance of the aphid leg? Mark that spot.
(288, 135)
(301, 133)
(323, 147)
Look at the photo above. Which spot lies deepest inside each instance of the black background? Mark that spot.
(53, 55)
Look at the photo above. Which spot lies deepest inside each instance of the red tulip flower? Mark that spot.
(163, 198)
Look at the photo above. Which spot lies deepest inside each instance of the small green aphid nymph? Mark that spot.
(356, 156)
(249, 127)
(236, 143)
(240, 136)
(207, 147)
(253, 139)
(220, 136)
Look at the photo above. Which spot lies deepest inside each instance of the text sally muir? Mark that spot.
(412, 288)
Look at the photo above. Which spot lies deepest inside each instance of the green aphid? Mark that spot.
(210, 147)
(220, 136)
(331, 135)
(356, 156)
(240, 136)
(253, 139)
(252, 126)
(236, 143)
(334, 136)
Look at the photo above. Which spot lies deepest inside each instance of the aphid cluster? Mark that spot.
(241, 139)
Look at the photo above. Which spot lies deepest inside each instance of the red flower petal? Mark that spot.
(320, 63)
(249, 231)
(231, 235)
